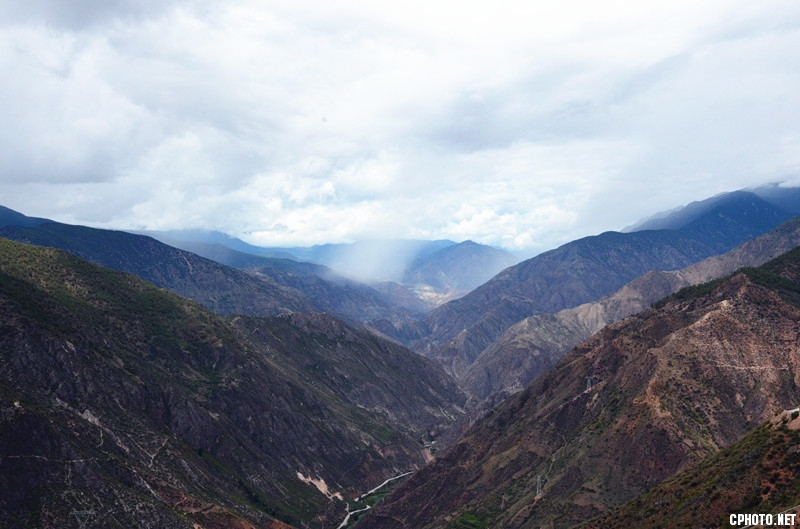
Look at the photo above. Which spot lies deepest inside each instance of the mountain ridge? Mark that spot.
(267, 291)
(529, 347)
(647, 397)
(147, 409)
(575, 273)
(437, 271)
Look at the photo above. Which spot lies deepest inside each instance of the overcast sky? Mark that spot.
(522, 124)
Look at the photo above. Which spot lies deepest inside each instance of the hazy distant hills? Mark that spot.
(528, 348)
(127, 402)
(185, 239)
(229, 256)
(323, 287)
(432, 271)
(583, 271)
(643, 399)
(456, 269)
(327, 289)
(371, 261)
(337, 295)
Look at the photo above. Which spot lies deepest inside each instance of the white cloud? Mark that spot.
(523, 124)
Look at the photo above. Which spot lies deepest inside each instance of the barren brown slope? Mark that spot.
(760, 473)
(530, 347)
(645, 398)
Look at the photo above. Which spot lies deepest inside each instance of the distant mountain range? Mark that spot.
(285, 403)
(529, 348)
(582, 271)
(126, 403)
(432, 271)
(640, 401)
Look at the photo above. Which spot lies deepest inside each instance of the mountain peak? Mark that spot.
(9, 217)
(742, 206)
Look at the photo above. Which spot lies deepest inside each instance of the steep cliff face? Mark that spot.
(643, 399)
(143, 408)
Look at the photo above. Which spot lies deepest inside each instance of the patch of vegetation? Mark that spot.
(692, 292)
(787, 289)
(469, 520)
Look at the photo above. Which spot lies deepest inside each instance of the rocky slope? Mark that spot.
(125, 401)
(645, 398)
(575, 273)
(760, 473)
(530, 347)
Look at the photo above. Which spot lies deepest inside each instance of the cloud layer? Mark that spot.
(519, 124)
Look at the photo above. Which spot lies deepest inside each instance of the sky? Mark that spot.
(520, 124)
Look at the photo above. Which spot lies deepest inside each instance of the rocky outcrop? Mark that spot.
(759, 473)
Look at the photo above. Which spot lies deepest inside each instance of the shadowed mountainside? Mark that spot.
(222, 289)
(278, 286)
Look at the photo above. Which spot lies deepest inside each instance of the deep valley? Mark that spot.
(191, 380)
